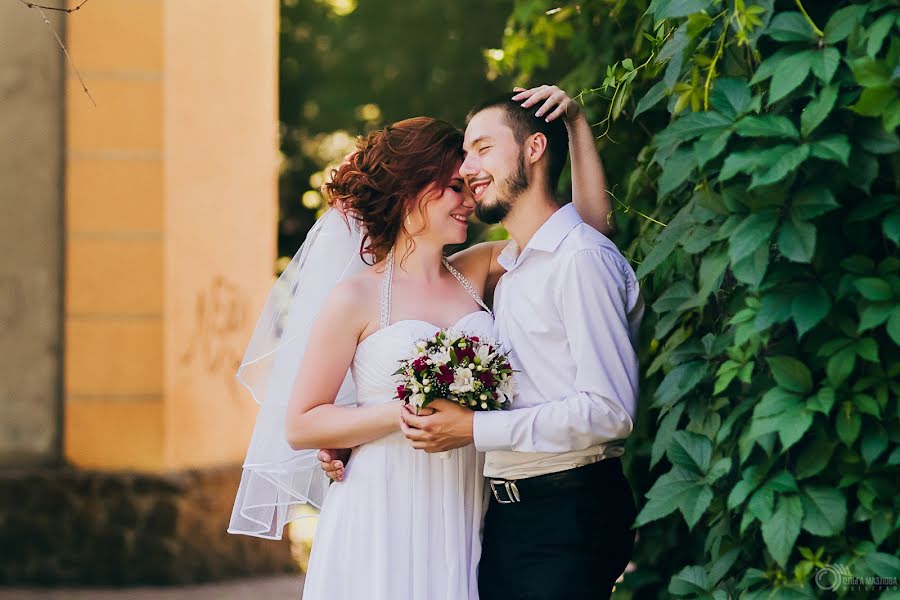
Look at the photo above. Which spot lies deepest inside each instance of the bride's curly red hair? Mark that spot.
(392, 166)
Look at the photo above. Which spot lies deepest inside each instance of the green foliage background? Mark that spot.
(753, 153)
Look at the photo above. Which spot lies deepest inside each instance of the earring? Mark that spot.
(408, 222)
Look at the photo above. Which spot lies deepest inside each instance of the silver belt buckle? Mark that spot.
(512, 492)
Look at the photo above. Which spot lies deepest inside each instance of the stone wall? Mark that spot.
(71, 526)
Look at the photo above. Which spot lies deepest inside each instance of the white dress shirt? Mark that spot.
(568, 308)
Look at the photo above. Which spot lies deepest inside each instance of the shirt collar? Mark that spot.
(547, 238)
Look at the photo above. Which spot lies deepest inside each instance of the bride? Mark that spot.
(406, 524)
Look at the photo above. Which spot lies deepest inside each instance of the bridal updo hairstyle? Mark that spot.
(392, 166)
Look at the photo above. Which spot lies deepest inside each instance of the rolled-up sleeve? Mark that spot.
(598, 298)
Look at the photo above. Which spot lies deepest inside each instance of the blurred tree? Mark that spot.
(347, 69)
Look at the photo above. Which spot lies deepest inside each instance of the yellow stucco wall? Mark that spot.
(171, 211)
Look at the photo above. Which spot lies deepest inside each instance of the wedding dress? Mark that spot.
(403, 524)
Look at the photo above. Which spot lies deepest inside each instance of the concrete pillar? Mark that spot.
(31, 234)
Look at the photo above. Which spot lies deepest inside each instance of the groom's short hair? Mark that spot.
(523, 124)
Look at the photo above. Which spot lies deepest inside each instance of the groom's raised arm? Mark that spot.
(597, 292)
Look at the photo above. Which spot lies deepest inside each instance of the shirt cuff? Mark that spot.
(490, 431)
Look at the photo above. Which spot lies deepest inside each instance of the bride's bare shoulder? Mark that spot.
(479, 262)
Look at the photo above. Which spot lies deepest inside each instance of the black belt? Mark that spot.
(511, 491)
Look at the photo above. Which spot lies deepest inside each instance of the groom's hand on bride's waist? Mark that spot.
(332, 461)
(449, 427)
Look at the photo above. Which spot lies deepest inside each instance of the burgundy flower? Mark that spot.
(446, 375)
(419, 364)
(487, 378)
(466, 352)
(401, 392)
(475, 339)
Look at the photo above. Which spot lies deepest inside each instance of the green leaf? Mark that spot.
(891, 226)
(814, 457)
(824, 510)
(762, 503)
(790, 27)
(718, 470)
(822, 401)
(670, 9)
(752, 268)
(848, 423)
(679, 381)
(739, 493)
(893, 326)
(693, 507)
(817, 110)
(730, 97)
(666, 494)
(809, 307)
(871, 73)
(690, 581)
(781, 167)
(859, 264)
(740, 162)
(791, 374)
(766, 126)
(676, 170)
(877, 32)
(781, 531)
(691, 451)
(781, 411)
(840, 366)
(873, 314)
(755, 230)
(677, 489)
(883, 565)
(873, 101)
(843, 22)
(813, 201)
(867, 349)
(651, 98)
(834, 148)
(797, 240)
(874, 288)
(710, 145)
(772, 65)
(791, 73)
(873, 443)
(825, 64)
(664, 432)
(666, 241)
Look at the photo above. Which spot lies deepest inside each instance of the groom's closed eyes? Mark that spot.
(480, 145)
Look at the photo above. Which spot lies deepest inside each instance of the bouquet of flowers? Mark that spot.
(459, 368)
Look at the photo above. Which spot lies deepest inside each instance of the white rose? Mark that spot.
(463, 381)
(441, 356)
(483, 354)
(417, 400)
(450, 337)
(506, 389)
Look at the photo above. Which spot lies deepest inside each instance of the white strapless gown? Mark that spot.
(403, 524)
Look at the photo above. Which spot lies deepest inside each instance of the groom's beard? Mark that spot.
(507, 191)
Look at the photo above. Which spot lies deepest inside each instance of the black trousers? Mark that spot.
(568, 545)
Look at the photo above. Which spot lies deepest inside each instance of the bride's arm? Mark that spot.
(590, 192)
(313, 421)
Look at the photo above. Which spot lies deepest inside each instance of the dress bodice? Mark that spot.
(378, 356)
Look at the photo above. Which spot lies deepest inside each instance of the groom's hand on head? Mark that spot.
(449, 427)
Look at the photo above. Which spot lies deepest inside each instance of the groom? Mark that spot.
(559, 521)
